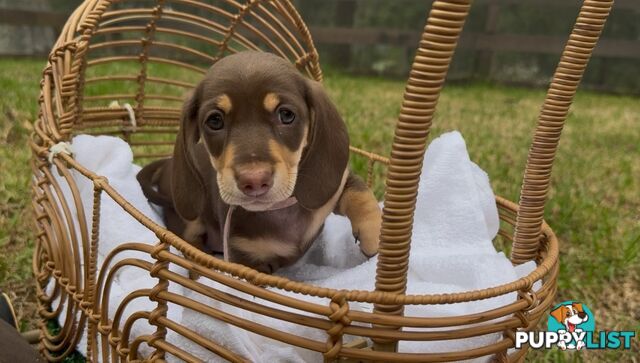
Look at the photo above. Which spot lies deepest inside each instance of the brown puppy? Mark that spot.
(254, 134)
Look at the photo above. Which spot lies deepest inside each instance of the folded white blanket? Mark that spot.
(456, 219)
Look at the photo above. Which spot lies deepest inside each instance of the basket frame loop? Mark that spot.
(573, 62)
(391, 276)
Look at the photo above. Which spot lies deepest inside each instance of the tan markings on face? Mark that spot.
(224, 172)
(284, 178)
(286, 165)
(282, 153)
(263, 249)
(225, 160)
(224, 103)
(271, 101)
(319, 215)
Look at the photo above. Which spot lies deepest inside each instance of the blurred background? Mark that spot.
(513, 42)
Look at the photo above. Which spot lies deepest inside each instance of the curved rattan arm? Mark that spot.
(566, 79)
(71, 48)
(426, 79)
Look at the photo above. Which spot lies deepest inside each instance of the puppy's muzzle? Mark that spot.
(255, 180)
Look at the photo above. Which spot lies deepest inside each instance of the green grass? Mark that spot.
(594, 204)
(75, 357)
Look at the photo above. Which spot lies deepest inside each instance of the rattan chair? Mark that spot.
(122, 50)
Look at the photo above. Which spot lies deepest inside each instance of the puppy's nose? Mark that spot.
(582, 315)
(256, 181)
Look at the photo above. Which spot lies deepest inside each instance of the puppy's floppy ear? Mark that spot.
(187, 186)
(323, 162)
(559, 313)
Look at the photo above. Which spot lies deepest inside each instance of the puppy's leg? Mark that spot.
(358, 203)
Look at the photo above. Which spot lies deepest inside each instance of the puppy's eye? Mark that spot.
(285, 115)
(215, 121)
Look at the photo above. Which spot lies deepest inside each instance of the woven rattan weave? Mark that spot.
(123, 50)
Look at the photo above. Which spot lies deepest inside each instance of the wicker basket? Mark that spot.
(130, 45)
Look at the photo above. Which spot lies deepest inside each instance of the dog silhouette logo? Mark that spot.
(572, 320)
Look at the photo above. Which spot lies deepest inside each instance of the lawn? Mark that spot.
(594, 205)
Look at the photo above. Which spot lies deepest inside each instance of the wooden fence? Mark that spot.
(483, 43)
(33, 17)
(342, 36)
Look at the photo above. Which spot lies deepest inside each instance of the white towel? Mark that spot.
(455, 220)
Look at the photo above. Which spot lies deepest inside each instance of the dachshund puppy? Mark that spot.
(257, 135)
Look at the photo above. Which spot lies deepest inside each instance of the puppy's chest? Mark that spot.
(274, 238)
(292, 225)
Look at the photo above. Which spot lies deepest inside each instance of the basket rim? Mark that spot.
(545, 263)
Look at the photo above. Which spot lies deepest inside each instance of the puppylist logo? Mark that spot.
(571, 326)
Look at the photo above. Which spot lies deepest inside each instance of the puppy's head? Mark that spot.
(270, 133)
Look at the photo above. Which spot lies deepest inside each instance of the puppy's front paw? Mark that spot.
(367, 231)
